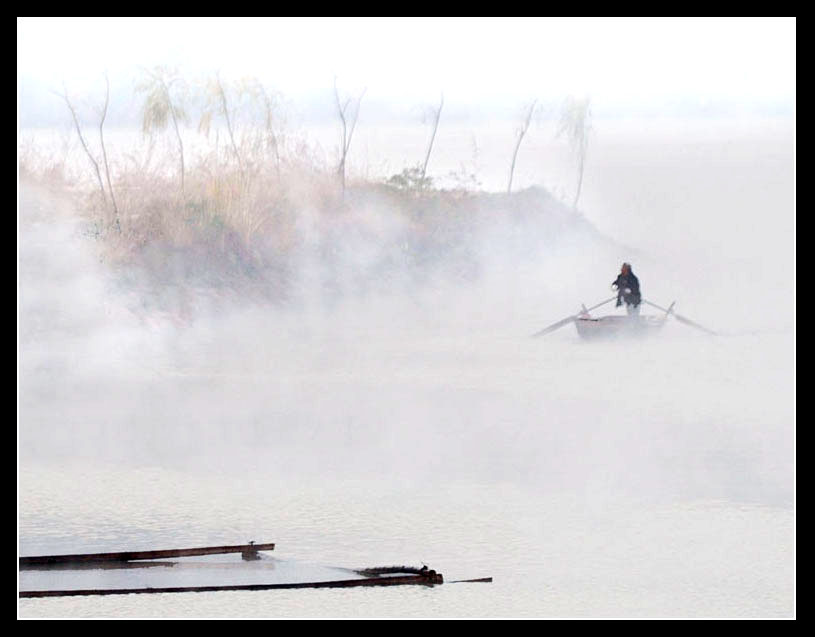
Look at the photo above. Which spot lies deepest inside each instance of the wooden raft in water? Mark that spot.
(381, 576)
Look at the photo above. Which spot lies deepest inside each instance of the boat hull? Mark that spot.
(608, 327)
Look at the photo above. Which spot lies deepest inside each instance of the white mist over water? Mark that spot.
(423, 424)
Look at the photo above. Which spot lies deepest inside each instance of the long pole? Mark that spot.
(126, 556)
(373, 581)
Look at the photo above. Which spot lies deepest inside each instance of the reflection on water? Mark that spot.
(550, 555)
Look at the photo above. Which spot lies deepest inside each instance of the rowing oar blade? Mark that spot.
(681, 318)
(554, 326)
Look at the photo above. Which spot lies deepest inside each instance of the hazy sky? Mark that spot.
(618, 61)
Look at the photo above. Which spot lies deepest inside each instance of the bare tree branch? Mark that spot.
(64, 96)
(268, 105)
(105, 155)
(341, 113)
(217, 93)
(356, 117)
(575, 123)
(346, 135)
(437, 116)
(521, 133)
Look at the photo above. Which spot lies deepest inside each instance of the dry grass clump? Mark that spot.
(48, 170)
(254, 222)
(241, 200)
(259, 212)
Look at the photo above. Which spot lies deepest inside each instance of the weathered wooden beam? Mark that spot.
(248, 551)
(375, 581)
(95, 566)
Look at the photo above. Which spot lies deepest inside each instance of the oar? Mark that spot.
(679, 318)
(569, 319)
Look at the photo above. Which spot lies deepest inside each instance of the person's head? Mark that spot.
(626, 269)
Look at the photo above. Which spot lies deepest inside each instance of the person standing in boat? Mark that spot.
(628, 290)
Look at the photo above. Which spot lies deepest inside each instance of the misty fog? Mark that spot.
(376, 395)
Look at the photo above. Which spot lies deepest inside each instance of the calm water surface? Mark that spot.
(550, 555)
(643, 479)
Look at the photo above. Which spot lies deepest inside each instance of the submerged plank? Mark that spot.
(95, 566)
(426, 580)
(249, 551)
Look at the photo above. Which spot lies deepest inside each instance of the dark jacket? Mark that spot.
(627, 282)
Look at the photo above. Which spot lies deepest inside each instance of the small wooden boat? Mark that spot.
(617, 326)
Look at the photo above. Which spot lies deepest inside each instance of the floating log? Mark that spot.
(425, 580)
(95, 566)
(247, 551)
